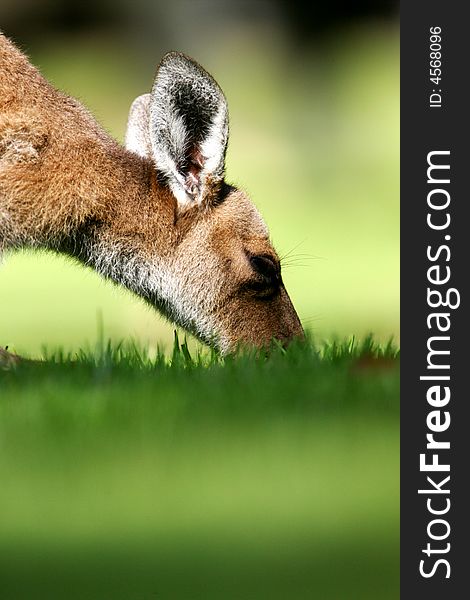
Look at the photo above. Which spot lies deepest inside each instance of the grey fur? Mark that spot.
(138, 130)
(188, 126)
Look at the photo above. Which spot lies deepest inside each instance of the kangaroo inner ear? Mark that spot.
(188, 129)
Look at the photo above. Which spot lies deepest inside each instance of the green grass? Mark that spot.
(127, 474)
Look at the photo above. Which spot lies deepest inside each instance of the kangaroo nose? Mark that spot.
(296, 333)
(291, 328)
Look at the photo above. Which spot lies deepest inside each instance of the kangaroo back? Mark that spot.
(57, 165)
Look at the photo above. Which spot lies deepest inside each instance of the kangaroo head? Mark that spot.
(221, 277)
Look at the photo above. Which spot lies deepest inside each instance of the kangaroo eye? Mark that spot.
(265, 266)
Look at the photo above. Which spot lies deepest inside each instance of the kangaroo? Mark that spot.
(155, 216)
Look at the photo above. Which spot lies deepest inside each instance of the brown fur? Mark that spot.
(62, 178)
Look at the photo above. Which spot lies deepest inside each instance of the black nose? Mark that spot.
(266, 267)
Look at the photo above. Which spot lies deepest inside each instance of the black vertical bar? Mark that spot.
(426, 128)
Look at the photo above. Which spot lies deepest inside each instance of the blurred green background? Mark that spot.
(254, 479)
(313, 99)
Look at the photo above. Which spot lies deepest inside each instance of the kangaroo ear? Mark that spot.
(137, 134)
(188, 129)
